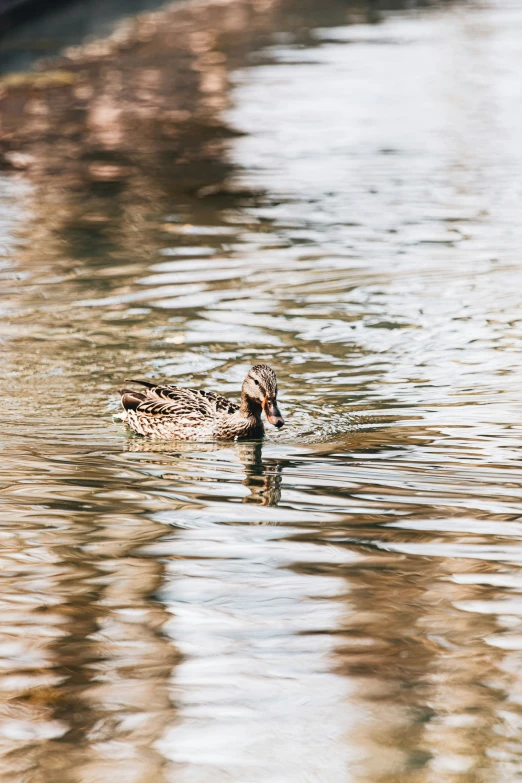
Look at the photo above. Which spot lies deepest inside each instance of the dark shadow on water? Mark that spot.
(43, 28)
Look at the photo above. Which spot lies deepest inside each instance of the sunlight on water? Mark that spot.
(338, 199)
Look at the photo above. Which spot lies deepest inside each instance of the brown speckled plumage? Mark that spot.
(167, 412)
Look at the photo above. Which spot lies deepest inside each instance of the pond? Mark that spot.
(334, 191)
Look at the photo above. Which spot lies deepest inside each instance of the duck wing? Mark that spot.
(176, 401)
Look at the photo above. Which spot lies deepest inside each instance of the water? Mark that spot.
(342, 602)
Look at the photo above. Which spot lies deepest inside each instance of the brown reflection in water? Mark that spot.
(432, 643)
(430, 686)
(85, 667)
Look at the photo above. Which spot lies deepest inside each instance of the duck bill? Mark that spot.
(273, 414)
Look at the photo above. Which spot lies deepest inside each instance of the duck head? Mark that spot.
(260, 389)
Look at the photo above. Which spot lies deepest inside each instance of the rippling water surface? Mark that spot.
(343, 601)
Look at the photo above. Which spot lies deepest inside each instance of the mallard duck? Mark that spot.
(168, 412)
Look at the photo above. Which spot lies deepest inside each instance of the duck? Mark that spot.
(165, 412)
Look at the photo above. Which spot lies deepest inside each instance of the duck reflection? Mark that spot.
(263, 477)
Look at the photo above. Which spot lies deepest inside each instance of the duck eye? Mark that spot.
(256, 382)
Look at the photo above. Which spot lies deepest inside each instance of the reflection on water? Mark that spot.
(212, 187)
